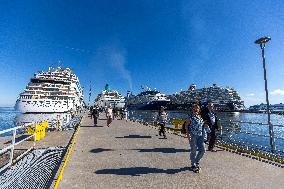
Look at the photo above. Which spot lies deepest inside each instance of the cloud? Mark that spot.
(250, 94)
(112, 56)
(278, 92)
(117, 59)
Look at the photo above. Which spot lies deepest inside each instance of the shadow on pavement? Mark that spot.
(98, 150)
(135, 136)
(163, 150)
(138, 171)
(17, 139)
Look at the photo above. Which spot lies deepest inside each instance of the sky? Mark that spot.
(166, 45)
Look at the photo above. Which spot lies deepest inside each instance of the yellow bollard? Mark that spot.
(39, 129)
(44, 126)
(178, 122)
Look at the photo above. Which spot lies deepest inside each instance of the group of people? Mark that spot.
(111, 113)
(200, 126)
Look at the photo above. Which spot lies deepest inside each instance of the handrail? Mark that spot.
(256, 123)
(229, 131)
(14, 143)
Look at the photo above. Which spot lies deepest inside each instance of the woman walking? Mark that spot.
(162, 119)
(195, 134)
(109, 115)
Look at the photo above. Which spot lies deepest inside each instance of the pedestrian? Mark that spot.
(210, 118)
(91, 111)
(162, 119)
(109, 114)
(125, 113)
(195, 134)
(96, 115)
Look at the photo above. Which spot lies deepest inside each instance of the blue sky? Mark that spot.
(161, 44)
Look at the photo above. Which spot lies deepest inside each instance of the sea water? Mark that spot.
(9, 118)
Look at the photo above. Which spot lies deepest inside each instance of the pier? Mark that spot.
(131, 155)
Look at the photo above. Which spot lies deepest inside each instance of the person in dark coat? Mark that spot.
(95, 114)
(210, 118)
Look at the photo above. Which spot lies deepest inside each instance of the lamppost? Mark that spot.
(262, 41)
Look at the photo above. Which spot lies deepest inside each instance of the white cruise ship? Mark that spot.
(109, 96)
(224, 99)
(55, 91)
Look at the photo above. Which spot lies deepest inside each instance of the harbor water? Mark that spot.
(9, 118)
(233, 130)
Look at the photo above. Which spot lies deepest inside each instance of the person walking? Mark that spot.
(162, 119)
(195, 133)
(125, 114)
(109, 114)
(210, 118)
(95, 115)
(91, 111)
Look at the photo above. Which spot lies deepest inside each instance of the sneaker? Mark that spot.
(197, 170)
(197, 165)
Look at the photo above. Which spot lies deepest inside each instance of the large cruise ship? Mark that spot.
(55, 91)
(224, 98)
(147, 100)
(109, 96)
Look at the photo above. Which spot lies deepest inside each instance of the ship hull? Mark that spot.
(153, 105)
(114, 104)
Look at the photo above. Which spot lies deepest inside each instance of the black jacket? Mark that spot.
(207, 119)
(95, 112)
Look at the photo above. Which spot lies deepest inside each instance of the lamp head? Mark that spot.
(262, 40)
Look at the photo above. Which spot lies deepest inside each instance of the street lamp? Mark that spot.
(262, 41)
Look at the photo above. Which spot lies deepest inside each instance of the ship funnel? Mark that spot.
(107, 87)
(192, 87)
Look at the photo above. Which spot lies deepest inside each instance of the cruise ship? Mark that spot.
(109, 96)
(263, 108)
(224, 98)
(57, 90)
(147, 100)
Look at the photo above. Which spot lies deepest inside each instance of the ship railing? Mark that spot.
(11, 148)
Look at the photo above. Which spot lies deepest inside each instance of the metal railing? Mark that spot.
(11, 147)
(244, 134)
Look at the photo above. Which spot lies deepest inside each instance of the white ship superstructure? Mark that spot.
(112, 97)
(57, 90)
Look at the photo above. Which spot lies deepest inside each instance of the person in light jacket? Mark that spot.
(195, 130)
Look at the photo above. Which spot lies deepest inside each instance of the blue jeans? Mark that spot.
(197, 142)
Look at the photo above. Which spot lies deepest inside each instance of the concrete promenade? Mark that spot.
(130, 155)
